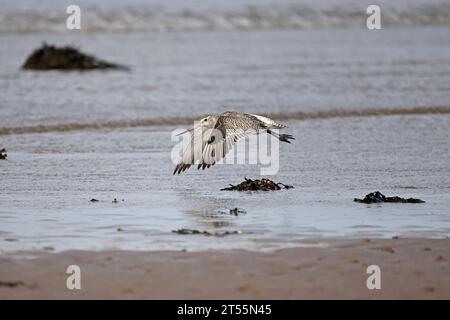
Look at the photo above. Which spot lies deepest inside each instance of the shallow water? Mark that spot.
(49, 178)
(107, 135)
(192, 74)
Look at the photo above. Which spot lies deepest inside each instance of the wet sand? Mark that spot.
(177, 121)
(49, 179)
(410, 268)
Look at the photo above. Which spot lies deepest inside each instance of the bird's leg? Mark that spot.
(285, 137)
(282, 137)
(273, 133)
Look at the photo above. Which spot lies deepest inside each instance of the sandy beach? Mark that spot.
(328, 269)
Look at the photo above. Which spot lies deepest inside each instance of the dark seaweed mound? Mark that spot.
(377, 197)
(255, 185)
(50, 57)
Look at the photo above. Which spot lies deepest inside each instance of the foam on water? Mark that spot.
(163, 16)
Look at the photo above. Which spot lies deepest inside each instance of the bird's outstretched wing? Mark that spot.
(193, 152)
(207, 147)
(249, 119)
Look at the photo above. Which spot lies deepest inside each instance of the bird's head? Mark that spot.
(208, 122)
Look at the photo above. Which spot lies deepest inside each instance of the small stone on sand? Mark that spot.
(429, 289)
(387, 249)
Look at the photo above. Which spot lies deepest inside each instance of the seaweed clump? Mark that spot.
(50, 57)
(378, 197)
(205, 233)
(3, 154)
(256, 185)
(237, 211)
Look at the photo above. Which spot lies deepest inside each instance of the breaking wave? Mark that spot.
(187, 120)
(259, 17)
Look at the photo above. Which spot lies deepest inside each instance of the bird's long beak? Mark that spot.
(185, 131)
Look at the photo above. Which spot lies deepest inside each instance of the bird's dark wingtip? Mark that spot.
(180, 168)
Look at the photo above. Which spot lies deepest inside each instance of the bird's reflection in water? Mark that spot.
(208, 212)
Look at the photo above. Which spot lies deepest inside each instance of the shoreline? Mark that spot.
(415, 268)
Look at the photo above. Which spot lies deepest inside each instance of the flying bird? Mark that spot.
(213, 136)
